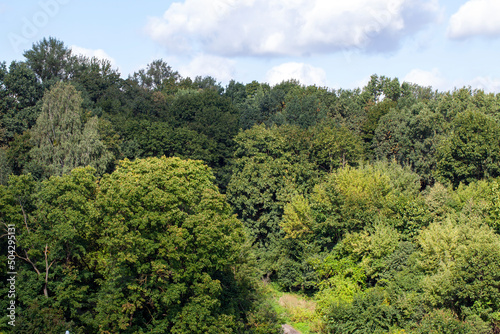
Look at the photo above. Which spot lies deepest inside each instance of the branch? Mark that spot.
(24, 213)
(47, 268)
(27, 259)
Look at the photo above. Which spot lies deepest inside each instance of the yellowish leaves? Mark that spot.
(297, 221)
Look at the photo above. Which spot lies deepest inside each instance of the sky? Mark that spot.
(445, 44)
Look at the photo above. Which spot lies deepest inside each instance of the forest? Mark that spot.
(168, 204)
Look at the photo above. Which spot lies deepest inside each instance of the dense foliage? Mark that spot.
(161, 204)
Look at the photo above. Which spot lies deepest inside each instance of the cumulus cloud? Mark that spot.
(475, 18)
(487, 84)
(207, 65)
(437, 80)
(98, 53)
(306, 74)
(432, 78)
(288, 27)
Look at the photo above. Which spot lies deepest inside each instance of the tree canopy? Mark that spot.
(157, 203)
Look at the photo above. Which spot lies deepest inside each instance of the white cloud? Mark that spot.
(99, 53)
(306, 74)
(475, 18)
(288, 27)
(362, 82)
(432, 78)
(487, 84)
(206, 65)
(437, 80)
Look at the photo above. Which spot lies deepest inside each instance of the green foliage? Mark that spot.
(18, 153)
(158, 75)
(373, 115)
(166, 235)
(333, 147)
(373, 249)
(354, 198)
(267, 174)
(339, 280)
(297, 220)
(304, 111)
(369, 312)
(471, 151)
(50, 59)
(19, 93)
(5, 169)
(38, 320)
(443, 322)
(93, 77)
(62, 141)
(54, 222)
(406, 246)
(460, 260)
(263, 320)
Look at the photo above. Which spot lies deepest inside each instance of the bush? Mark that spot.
(370, 312)
(442, 322)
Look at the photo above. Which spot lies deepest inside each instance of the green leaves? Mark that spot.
(462, 261)
(166, 229)
(62, 141)
(472, 151)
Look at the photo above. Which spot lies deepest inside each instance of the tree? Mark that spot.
(50, 59)
(94, 77)
(19, 93)
(56, 237)
(461, 259)
(158, 76)
(333, 147)
(471, 151)
(373, 115)
(270, 168)
(215, 119)
(267, 173)
(356, 200)
(62, 141)
(304, 111)
(368, 313)
(171, 245)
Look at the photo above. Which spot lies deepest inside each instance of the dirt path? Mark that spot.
(287, 329)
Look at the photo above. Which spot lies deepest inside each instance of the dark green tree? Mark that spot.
(19, 93)
(51, 60)
(158, 76)
(471, 151)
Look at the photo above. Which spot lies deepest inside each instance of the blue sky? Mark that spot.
(442, 43)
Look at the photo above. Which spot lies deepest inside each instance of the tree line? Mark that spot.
(159, 203)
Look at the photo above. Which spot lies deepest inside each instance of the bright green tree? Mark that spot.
(461, 259)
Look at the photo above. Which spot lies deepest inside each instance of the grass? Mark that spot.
(295, 309)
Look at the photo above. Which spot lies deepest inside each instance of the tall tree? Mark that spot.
(471, 151)
(19, 93)
(170, 242)
(50, 59)
(62, 140)
(158, 75)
